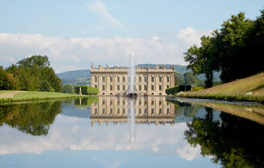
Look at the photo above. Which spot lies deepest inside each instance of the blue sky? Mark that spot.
(75, 34)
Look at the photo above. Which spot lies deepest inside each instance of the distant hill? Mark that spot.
(73, 77)
(69, 75)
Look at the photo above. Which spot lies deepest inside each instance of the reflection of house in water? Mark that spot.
(147, 110)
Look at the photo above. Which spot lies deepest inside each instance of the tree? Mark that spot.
(41, 61)
(8, 81)
(191, 79)
(68, 88)
(179, 80)
(49, 74)
(46, 86)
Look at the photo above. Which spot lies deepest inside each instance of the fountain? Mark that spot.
(131, 73)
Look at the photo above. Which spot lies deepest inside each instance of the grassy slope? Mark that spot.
(249, 89)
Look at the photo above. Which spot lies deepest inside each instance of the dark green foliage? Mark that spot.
(86, 90)
(236, 50)
(41, 61)
(49, 74)
(216, 83)
(8, 81)
(87, 101)
(67, 89)
(172, 90)
(179, 80)
(46, 86)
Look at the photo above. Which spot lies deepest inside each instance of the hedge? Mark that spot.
(172, 90)
(86, 90)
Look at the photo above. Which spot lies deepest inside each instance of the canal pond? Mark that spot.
(121, 132)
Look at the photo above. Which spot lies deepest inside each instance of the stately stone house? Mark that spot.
(147, 110)
(148, 81)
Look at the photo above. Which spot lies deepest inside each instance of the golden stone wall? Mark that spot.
(149, 81)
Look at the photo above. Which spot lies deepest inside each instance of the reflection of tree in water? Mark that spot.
(33, 118)
(234, 142)
(68, 101)
(186, 109)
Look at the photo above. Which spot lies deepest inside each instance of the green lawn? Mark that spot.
(29, 95)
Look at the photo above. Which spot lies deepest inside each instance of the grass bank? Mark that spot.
(247, 89)
(15, 96)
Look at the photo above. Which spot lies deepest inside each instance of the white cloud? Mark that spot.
(189, 153)
(80, 53)
(190, 36)
(98, 7)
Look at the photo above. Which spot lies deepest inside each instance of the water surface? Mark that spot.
(118, 132)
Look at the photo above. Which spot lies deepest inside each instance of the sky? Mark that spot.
(76, 34)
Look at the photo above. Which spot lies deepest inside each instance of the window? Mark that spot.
(103, 79)
(152, 79)
(139, 87)
(139, 79)
(124, 111)
(95, 79)
(168, 86)
(95, 111)
(159, 79)
(168, 79)
(145, 102)
(111, 102)
(103, 102)
(168, 110)
(152, 87)
(124, 87)
(118, 79)
(118, 87)
(145, 87)
(145, 79)
(103, 87)
(160, 102)
(111, 87)
(139, 111)
(118, 102)
(159, 87)
(103, 110)
(95, 86)
(111, 111)
(152, 102)
(124, 79)
(118, 111)
(160, 111)
(111, 79)
(139, 102)
(145, 111)
(152, 111)
(124, 102)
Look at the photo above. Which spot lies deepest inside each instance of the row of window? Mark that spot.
(139, 79)
(139, 87)
(124, 102)
(140, 112)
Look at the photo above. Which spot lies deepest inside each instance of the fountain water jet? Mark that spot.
(131, 74)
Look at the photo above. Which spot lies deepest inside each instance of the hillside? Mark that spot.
(83, 76)
(249, 89)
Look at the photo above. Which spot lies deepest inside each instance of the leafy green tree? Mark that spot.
(179, 80)
(8, 81)
(41, 61)
(68, 88)
(46, 86)
(49, 74)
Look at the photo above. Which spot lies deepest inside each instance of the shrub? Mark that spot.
(172, 90)
(197, 88)
(86, 90)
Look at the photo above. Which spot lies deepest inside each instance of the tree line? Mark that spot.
(235, 50)
(30, 74)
